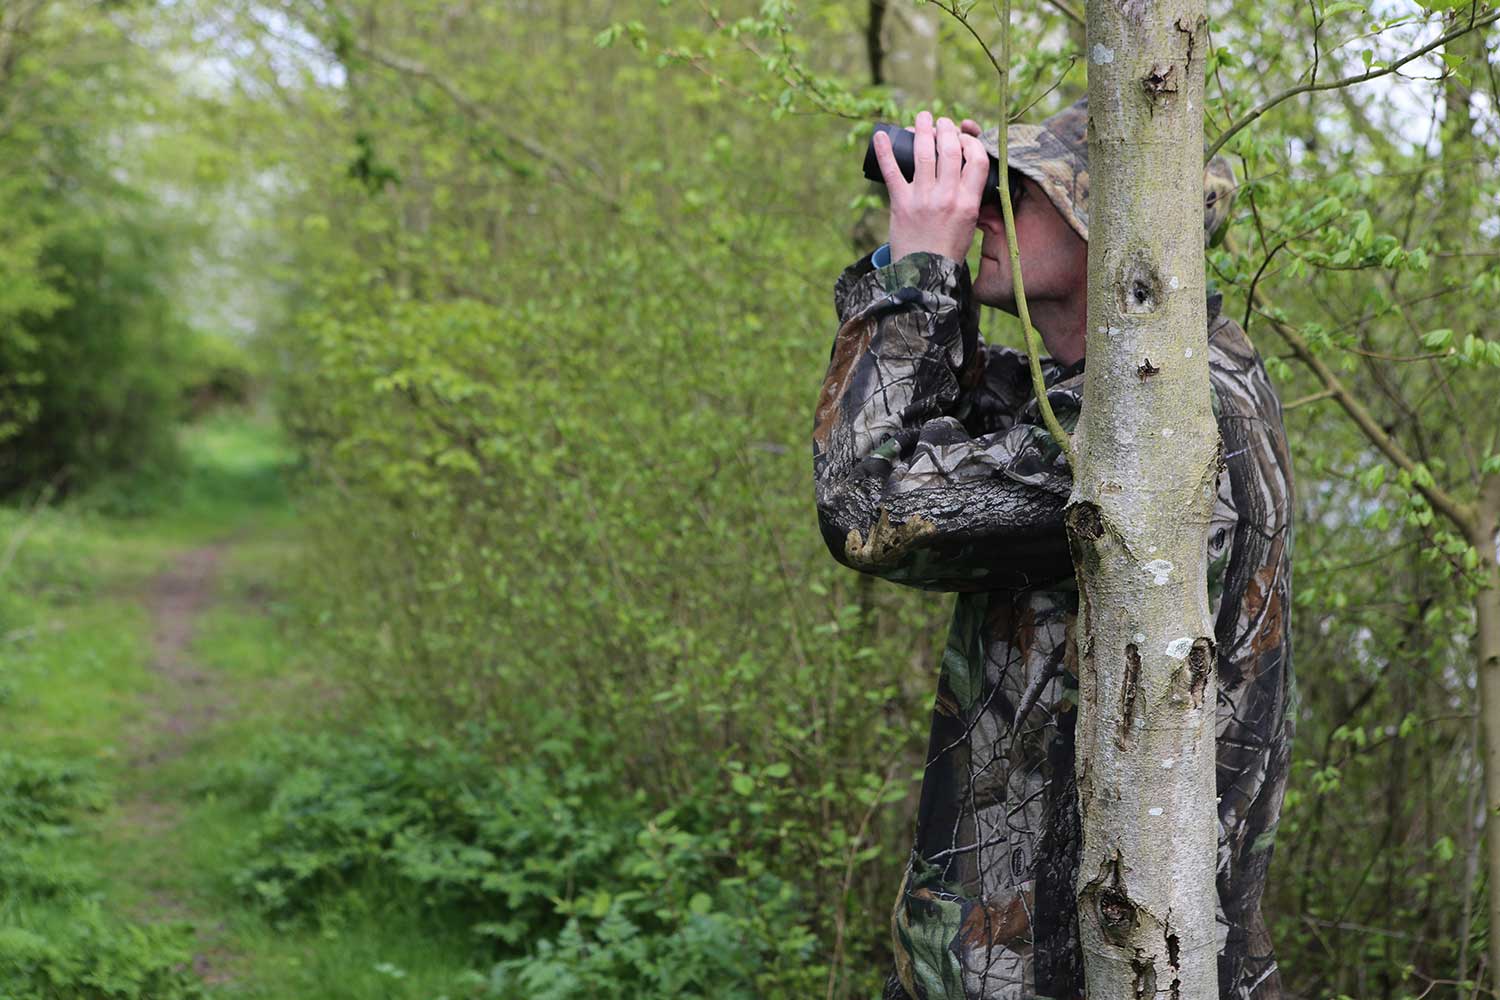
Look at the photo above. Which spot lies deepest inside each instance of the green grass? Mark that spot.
(75, 683)
(74, 637)
(77, 686)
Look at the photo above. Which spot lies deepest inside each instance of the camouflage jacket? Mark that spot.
(917, 416)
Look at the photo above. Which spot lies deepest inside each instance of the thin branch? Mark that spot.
(1462, 515)
(1007, 210)
(1068, 10)
(1348, 81)
(1001, 71)
(563, 167)
(1317, 42)
(1455, 411)
(1311, 398)
(1380, 557)
(794, 77)
(1399, 358)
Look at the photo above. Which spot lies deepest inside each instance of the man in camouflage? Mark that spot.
(933, 470)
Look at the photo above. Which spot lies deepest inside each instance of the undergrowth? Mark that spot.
(56, 941)
(570, 885)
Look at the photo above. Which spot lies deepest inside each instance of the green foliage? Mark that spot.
(87, 955)
(56, 941)
(551, 361)
(576, 889)
(91, 335)
(107, 382)
(39, 798)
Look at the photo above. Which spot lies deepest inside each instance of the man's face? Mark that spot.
(1054, 258)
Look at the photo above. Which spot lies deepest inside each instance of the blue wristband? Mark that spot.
(882, 256)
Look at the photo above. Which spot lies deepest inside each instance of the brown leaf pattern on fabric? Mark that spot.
(932, 469)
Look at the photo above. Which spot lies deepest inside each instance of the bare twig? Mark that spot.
(1348, 81)
(1067, 10)
(1311, 398)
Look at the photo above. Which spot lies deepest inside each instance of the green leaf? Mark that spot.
(701, 903)
(1435, 340)
(743, 784)
(780, 769)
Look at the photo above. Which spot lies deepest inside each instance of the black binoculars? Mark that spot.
(901, 147)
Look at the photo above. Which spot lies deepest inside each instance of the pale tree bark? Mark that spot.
(1482, 534)
(1461, 155)
(1143, 496)
(1460, 151)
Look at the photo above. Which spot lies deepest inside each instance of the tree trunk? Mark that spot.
(1461, 188)
(909, 46)
(1487, 656)
(1143, 496)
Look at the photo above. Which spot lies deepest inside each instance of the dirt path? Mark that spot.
(188, 701)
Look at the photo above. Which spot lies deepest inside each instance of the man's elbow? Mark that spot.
(837, 532)
(866, 538)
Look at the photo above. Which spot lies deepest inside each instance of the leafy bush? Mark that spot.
(91, 242)
(56, 942)
(40, 798)
(575, 888)
(88, 955)
(498, 548)
(218, 371)
(108, 369)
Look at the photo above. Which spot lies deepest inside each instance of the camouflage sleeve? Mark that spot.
(926, 473)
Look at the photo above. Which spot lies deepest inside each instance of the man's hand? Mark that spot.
(938, 210)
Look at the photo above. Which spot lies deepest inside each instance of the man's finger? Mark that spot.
(889, 169)
(976, 167)
(970, 127)
(924, 153)
(949, 154)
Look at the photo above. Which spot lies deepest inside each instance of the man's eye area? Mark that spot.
(1017, 185)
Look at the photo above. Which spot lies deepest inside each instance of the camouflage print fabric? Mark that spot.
(932, 469)
(1055, 154)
